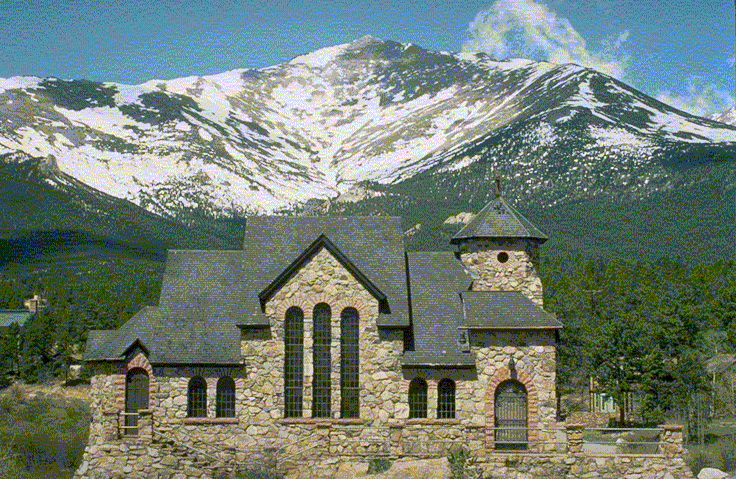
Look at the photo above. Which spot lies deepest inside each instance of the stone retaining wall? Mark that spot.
(324, 447)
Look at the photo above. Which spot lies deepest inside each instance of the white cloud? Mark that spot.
(527, 29)
(700, 99)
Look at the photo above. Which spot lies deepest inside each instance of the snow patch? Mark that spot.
(14, 83)
(320, 58)
(204, 134)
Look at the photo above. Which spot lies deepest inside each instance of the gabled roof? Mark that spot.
(168, 339)
(499, 220)
(10, 316)
(321, 242)
(504, 310)
(137, 343)
(206, 295)
(373, 244)
(436, 281)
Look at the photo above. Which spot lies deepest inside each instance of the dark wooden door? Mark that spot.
(511, 410)
(136, 397)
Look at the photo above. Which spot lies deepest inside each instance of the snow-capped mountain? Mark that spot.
(370, 110)
(728, 116)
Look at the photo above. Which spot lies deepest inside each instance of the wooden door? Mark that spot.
(511, 412)
(136, 397)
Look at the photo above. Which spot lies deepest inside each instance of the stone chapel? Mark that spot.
(323, 335)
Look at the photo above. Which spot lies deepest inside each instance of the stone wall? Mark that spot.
(520, 271)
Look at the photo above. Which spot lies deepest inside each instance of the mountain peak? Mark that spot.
(363, 42)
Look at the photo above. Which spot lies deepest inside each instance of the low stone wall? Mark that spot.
(326, 446)
(587, 467)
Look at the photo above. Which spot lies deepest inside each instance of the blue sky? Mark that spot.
(681, 52)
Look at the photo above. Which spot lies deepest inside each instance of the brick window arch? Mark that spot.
(197, 397)
(446, 399)
(225, 405)
(293, 362)
(417, 398)
(322, 362)
(349, 364)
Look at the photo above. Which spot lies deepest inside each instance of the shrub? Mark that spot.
(697, 459)
(378, 465)
(725, 451)
(459, 459)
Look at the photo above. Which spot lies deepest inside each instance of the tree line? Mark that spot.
(646, 328)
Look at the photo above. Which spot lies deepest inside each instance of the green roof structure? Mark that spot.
(10, 316)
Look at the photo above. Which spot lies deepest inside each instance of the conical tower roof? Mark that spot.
(499, 220)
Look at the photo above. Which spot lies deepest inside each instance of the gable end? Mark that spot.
(321, 242)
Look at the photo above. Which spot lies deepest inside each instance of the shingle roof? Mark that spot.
(499, 220)
(10, 316)
(436, 281)
(321, 242)
(205, 295)
(505, 310)
(169, 340)
(374, 244)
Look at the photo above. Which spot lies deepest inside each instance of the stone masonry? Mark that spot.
(504, 265)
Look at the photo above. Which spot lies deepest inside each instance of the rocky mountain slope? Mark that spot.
(373, 113)
(728, 116)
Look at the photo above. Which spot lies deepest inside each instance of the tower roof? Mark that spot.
(499, 220)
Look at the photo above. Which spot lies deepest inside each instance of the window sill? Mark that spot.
(433, 422)
(321, 421)
(210, 420)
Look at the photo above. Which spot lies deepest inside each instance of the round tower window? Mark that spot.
(502, 257)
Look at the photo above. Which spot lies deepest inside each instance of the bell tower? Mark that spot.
(501, 248)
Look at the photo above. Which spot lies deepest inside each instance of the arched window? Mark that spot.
(136, 397)
(321, 385)
(197, 398)
(511, 415)
(417, 398)
(446, 399)
(349, 366)
(225, 397)
(293, 362)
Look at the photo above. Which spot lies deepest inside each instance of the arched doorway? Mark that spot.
(136, 397)
(511, 416)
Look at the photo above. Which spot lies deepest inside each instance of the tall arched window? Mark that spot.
(136, 397)
(511, 416)
(225, 397)
(446, 399)
(349, 365)
(293, 362)
(417, 398)
(321, 385)
(197, 403)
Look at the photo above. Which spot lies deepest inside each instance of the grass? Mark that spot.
(41, 438)
(720, 454)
